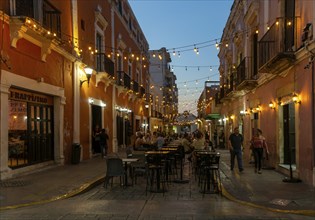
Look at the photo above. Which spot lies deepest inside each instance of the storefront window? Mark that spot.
(17, 133)
(30, 128)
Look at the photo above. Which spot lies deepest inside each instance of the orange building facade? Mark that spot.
(49, 102)
(267, 81)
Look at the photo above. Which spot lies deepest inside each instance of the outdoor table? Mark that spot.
(127, 161)
(207, 157)
(156, 161)
(171, 157)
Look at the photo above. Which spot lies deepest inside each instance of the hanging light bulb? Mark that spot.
(174, 53)
(178, 54)
(195, 49)
(210, 68)
(197, 52)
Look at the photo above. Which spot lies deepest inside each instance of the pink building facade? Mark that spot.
(266, 69)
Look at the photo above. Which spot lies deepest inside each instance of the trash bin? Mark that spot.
(76, 153)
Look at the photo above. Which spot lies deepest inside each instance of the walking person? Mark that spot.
(103, 142)
(222, 140)
(235, 147)
(258, 144)
(96, 140)
(215, 137)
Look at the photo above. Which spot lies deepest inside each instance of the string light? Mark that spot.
(204, 44)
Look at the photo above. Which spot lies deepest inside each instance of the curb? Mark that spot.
(84, 188)
(229, 196)
(87, 186)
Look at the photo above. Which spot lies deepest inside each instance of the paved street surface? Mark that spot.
(46, 195)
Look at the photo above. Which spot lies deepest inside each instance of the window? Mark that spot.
(82, 24)
(99, 55)
(120, 7)
(119, 62)
(129, 69)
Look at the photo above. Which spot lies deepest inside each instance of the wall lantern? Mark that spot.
(88, 73)
(146, 106)
(272, 105)
(295, 98)
(91, 100)
(258, 108)
(103, 104)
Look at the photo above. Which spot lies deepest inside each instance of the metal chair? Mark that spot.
(138, 168)
(155, 173)
(210, 174)
(115, 168)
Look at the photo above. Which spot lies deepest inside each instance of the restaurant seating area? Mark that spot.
(161, 170)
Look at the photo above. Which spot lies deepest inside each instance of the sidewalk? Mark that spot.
(52, 184)
(266, 191)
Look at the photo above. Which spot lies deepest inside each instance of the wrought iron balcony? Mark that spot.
(135, 87)
(230, 85)
(246, 75)
(123, 79)
(104, 64)
(217, 98)
(142, 92)
(45, 14)
(277, 46)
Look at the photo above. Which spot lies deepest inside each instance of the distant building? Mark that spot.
(164, 91)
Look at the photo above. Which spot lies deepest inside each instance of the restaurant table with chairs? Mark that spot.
(157, 170)
(208, 173)
(127, 162)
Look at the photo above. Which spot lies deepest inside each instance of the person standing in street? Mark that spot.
(96, 140)
(103, 142)
(235, 147)
(258, 144)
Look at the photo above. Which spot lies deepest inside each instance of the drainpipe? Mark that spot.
(313, 117)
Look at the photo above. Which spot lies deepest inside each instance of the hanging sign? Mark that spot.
(26, 96)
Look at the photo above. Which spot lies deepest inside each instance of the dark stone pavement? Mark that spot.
(265, 191)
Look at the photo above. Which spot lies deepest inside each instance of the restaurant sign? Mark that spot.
(26, 96)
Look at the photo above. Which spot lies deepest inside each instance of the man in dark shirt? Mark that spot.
(235, 147)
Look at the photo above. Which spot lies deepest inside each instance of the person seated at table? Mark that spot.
(154, 139)
(160, 141)
(186, 143)
(147, 138)
(188, 148)
(139, 142)
(198, 142)
(147, 141)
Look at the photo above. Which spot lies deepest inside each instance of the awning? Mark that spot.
(213, 116)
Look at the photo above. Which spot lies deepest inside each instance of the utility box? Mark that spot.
(76, 153)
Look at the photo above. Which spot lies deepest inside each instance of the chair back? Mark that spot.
(140, 162)
(114, 167)
(209, 159)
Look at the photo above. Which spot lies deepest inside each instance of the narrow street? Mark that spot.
(181, 201)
